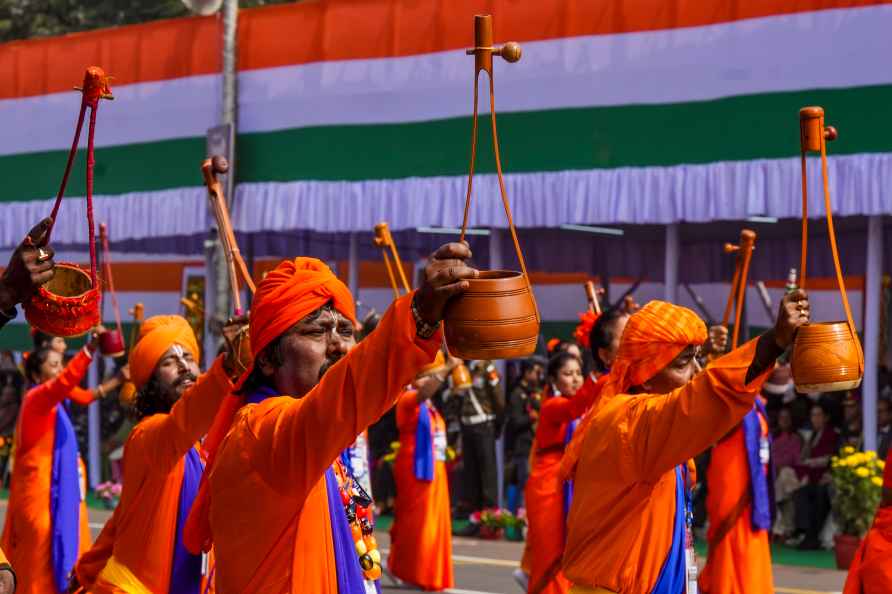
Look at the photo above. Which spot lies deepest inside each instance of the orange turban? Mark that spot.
(156, 336)
(292, 291)
(654, 336)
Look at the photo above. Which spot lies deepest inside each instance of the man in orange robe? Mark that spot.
(421, 535)
(140, 548)
(629, 527)
(871, 570)
(274, 512)
(739, 508)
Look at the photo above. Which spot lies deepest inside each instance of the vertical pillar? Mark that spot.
(670, 287)
(873, 287)
(496, 263)
(93, 429)
(353, 266)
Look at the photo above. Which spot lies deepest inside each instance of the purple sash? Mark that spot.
(761, 488)
(424, 445)
(185, 571)
(672, 574)
(350, 580)
(65, 500)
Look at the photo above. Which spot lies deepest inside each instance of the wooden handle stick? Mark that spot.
(210, 169)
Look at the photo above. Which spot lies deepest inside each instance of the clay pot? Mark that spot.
(495, 318)
(844, 547)
(66, 306)
(111, 343)
(826, 358)
(461, 378)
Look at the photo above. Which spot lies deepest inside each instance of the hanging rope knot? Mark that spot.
(95, 86)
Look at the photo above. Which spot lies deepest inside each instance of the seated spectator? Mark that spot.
(786, 449)
(851, 434)
(884, 427)
(812, 499)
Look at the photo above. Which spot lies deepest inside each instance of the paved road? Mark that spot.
(484, 567)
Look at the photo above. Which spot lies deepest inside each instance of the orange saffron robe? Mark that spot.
(544, 491)
(421, 535)
(741, 562)
(27, 533)
(621, 520)
(140, 534)
(871, 570)
(269, 513)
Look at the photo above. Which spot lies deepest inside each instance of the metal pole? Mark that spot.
(873, 302)
(496, 263)
(670, 288)
(230, 87)
(93, 430)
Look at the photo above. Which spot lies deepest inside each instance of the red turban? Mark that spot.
(156, 336)
(654, 336)
(887, 471)
(292, 291)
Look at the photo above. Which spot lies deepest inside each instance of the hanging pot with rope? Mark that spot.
(827, 356)
(68, 305)
(497, 316)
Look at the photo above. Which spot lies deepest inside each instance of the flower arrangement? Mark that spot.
(584, 329)
(109, 493)
(491, 518)
(858, 484)
(518, 520)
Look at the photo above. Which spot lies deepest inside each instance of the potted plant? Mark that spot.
(109, 493)
(491, 522)
(515, 525)
(857, 486)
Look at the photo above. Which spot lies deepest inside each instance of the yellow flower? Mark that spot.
(881, 464)
(877, 481)
(871, 455)
(848, 450)
(862, 472)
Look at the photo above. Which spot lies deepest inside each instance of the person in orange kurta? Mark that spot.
(739, 507)
(627, 529)
(278, 507)
(140, 548)
(871, 569)
(421, 535)
(46, 519)
(547, 496)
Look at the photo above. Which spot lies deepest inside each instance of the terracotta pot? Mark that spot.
(461, 378)
(490, 533)
(826, 358)
(111, 343)
(495, 318)
(67, 305)
(844, 547)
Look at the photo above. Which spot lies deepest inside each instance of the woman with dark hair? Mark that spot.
(604, 338)
(547, 498)
(46, 520)
(812, 500)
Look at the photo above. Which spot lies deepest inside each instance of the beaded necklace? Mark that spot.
(358, 509)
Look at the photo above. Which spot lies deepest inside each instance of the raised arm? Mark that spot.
(43, 398)
(662, 431)
(164, 439)
(295, 447)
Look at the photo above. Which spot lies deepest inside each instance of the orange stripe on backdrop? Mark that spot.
(320, 30)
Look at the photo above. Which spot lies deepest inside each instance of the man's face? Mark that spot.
(533, 376)
(682, 369)
(57, 343)
(176, 371)
(311, 347)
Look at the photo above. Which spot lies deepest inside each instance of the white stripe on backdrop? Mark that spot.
(655, 67)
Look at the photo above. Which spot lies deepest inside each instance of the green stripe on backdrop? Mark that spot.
(737, 128)
(16, 336)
